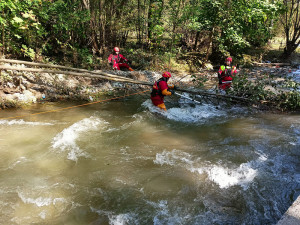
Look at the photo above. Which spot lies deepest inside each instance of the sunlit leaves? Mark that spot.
(20, 24)
(17, 19)
(237, 24)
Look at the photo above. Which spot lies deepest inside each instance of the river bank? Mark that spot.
(22, 88)
(292, 215)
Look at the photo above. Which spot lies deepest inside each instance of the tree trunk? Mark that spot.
(289, 49)
(2, 51)
(291, 23)
(139, 23)
(150, 24)
(173, 32)
(209, 44)
(196, 40)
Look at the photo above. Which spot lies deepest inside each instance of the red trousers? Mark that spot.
(117, 66)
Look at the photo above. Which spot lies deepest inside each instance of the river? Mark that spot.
(124, 162)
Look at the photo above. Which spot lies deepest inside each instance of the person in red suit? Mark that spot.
(161, 89)
(226, 73)
(118, 61)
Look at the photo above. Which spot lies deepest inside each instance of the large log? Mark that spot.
(85, 74)
(271, 64)
(107, 76)
(59, 67)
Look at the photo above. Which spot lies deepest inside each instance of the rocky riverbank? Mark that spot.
(22, 88)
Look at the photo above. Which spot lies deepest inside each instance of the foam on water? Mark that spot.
(187, 114)
(40, 201)
(163, 215)
(37, 203)
(137, 120)
(174, 157)
(168, 213)
(224, 177)
(66, 140)
(20, 160)
(22, 122)
(120, 219)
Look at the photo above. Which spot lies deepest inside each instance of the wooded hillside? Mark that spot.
(85, 31)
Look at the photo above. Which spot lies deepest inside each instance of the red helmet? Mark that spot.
(229, 59)
(166, 74)
(116, 49)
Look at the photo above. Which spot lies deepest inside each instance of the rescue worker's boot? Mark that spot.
(162, 106)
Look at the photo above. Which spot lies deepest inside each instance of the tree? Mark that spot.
(154, 17)
(21, 30)
(233, 26)
(291, 24)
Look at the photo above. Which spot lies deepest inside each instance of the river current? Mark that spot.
(125, 162)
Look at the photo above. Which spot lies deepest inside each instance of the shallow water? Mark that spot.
(295, 75)
(124, 162)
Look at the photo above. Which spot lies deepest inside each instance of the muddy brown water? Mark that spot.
(123, 162)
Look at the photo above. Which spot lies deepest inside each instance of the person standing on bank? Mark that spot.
(226, 73)
(118, 61)
(161, 89)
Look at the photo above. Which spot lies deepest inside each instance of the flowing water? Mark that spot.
(124, 162)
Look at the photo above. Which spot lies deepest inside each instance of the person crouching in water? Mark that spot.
(225, 74)
(118, 61)
(161, 89)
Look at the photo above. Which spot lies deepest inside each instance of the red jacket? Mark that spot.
(159, 90)
(117, 58)
(226, 73)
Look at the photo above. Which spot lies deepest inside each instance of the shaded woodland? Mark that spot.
(84, 32)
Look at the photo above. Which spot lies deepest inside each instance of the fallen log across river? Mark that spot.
(48, 68)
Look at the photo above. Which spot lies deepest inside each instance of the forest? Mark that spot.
(169, 140)
(154, 34)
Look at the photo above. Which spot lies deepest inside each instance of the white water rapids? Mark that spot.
(125, 162)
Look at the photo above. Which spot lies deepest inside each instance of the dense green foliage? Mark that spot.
(235, 25)
(268, 91)
(82, 30)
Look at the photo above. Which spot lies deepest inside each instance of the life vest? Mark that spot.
(116, 58)
(226, 73)
(155, 89)
(227, 70)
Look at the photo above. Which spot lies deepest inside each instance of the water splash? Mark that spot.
(66, 140)
(188, 114)
(224, 177)
(22, 122)
(120, 219)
